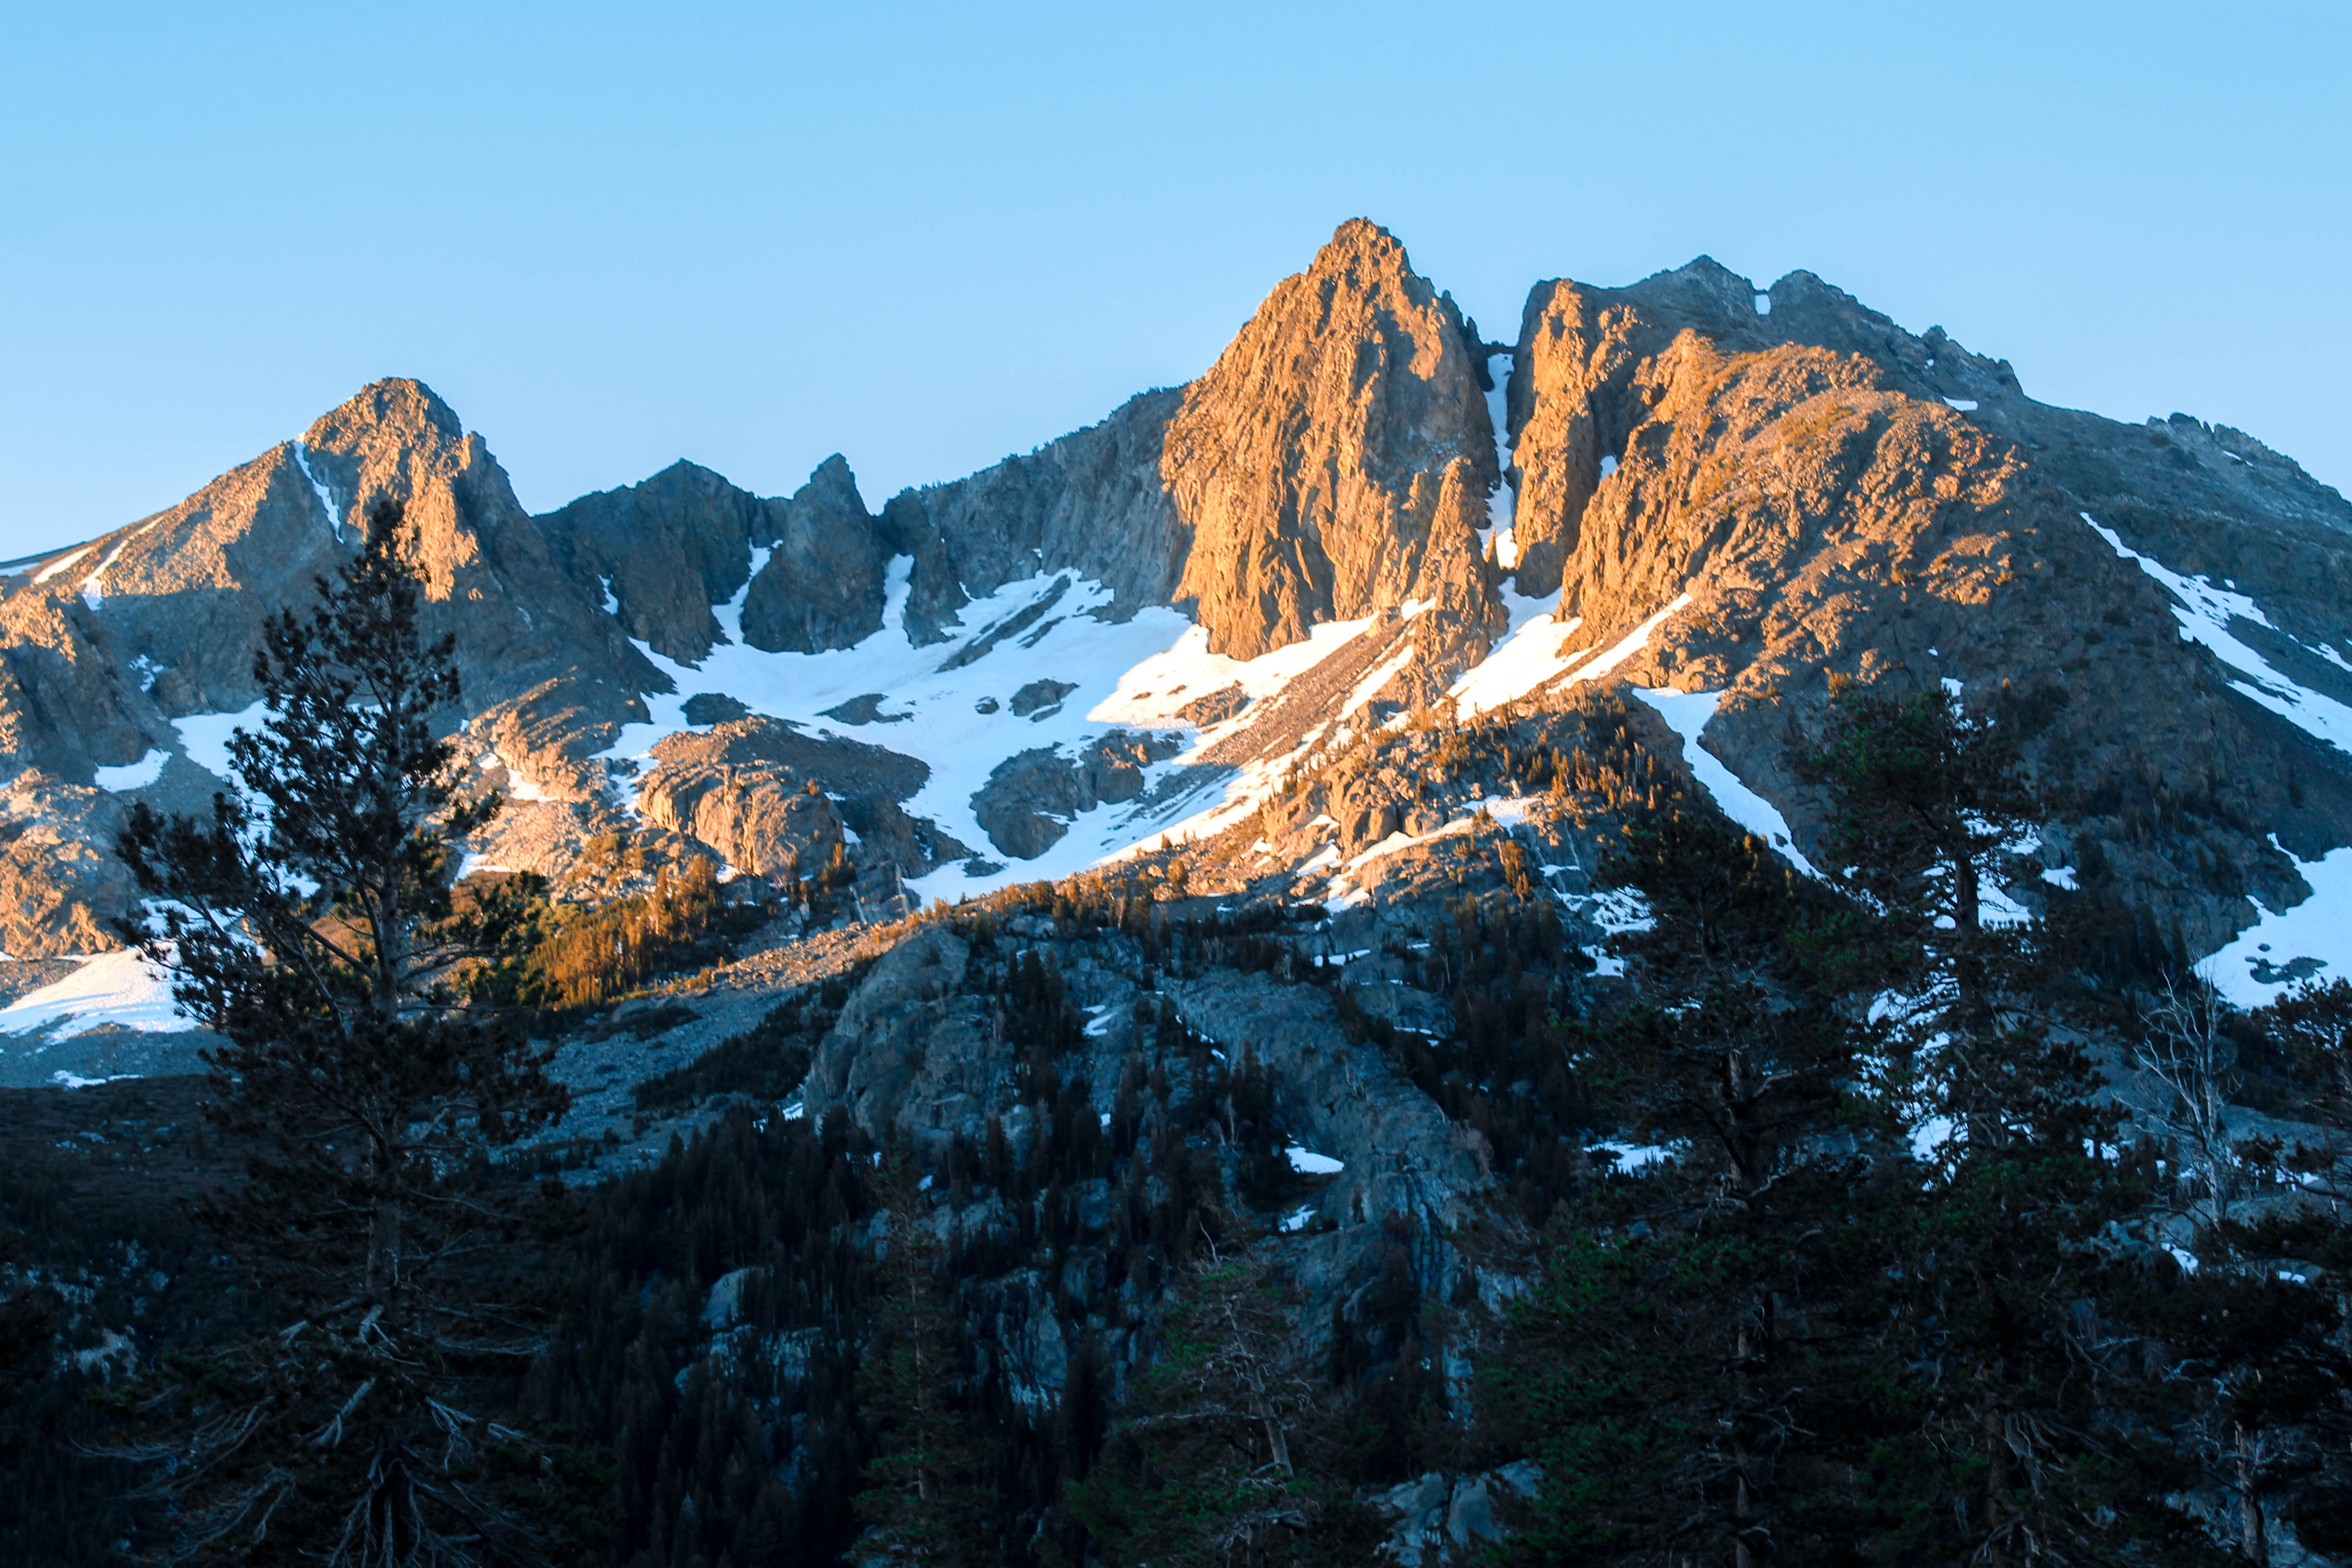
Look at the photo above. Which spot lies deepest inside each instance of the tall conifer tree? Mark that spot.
(310, 919)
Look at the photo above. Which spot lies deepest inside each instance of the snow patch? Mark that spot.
(1608, 466)
(2319, 928)
(1633, 1159)
(2205, 613)
(1507, 812)
(1501, 505)
(124, 987)
(204, 737)
(1687, 713)
(133, 775)
(1308, 1163)
(519, 787)
(61, 564)
(326, 497)
(1931, 1137)
(1621, 910)
(1965, 405)
(1537, 655)
(1387, 670)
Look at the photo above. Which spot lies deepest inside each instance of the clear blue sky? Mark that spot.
(927, 235)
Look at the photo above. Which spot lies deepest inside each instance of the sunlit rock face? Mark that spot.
(1336, 461)
(1133, 634)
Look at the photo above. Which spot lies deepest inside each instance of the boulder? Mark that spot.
(1040, 696)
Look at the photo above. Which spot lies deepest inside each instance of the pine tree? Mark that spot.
(1227, 1448)
(311, 921)
(1932, 820)
(2313, 1024)
(27, 1327)
(2033, 1432)
(1658, 1367)
(924, 1500)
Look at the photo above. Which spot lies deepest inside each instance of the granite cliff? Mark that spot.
(1277, 730)
(1353, 509)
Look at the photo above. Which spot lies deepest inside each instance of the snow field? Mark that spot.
(2318, 928)
(124, 987)
(1686, 713)
(1134, 675)
(1535, 655)
(2205, 613)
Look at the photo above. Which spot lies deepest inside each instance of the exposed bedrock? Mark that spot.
(775, 801)
(664, 550)
(1336, 461)
(1091, 502)
(1028, 802)
(913, 1054)
(59, 880)
(1833, 512)
(823, 585)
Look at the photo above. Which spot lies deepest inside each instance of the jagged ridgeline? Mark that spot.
(1312, 973)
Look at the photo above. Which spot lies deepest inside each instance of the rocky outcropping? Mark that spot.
(1028, 802)
(912, 1054)
(660, 553)
(1817, 483)
(773, 800)
(1336, 459)
(59, 875)
(1092, 502)
(823, 585)
(760, 814)
(490, 577)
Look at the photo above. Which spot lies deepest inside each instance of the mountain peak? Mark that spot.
(399, 410)
(1335, 459)
(1359, 238)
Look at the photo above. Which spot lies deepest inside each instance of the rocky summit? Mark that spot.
(1361, 510)
(1377, 624)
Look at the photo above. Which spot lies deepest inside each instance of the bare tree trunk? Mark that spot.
(1753, 1462)
(2185, 1050)
(383, 1256)
(1277, 1441)
(2252, 1538)
(1996, 1490)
